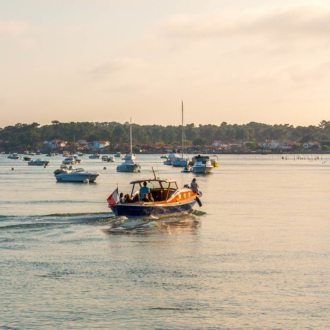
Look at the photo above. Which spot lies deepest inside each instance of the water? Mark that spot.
(255, 256)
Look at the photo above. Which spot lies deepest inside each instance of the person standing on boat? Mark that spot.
(194, 186)
(144, 190)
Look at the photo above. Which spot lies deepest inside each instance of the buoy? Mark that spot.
(199, 201)
(104, 168)
(86, 181)
(13, 168)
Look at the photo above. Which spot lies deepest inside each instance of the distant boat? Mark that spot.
(187, 169)
(170, 159)
(69, 161)
(129, 165)
(38, 162)
(105, 158)
(77, 175)
(32, 153)
(111, 159)
(14, 156)
(203, 167)
(51, 154)
(95, 156)
(118, 154)
(163, 156)
(27, 158)
(181, 161)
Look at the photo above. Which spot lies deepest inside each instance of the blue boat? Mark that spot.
(167, 199)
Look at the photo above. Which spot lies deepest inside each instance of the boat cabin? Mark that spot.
(161, 190)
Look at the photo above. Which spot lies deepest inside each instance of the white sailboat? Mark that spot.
(129, 165)
(181, 161)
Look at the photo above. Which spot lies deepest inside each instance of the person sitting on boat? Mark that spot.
(150, 197)
(128, 199)
(136, 198)
(194, 186)
(144, 189)
(145, 198)
(121, 198)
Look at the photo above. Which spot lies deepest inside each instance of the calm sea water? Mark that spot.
(255, 256)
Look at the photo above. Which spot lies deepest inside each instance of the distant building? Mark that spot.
(54, 144)
(101, 144)
(309, 145)
(82, 142)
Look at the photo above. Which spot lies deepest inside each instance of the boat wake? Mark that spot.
(186, 221)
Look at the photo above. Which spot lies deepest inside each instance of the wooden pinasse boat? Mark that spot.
(169, 199)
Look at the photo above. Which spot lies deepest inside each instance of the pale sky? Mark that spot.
(109, 60)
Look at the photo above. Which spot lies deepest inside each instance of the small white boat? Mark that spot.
(118, 154)
(51, 154)
(80, 154)
(187, 169)
(38, 162)
(111, 159)
(76, 158)
(129, 156)
(69, 161)
(65, 154)
(32, 153)
(105, 158)
(77, 175)
(169, 159)
(203, 167)
(95, 156)
(14, 156)
(180, 162)
(129, 165)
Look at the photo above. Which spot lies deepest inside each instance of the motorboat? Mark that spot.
(27, 158)
(38, 162)
(80, 154)
(203, 167)
(163, 156)
(129, 165)
(95, 156)
(14, 156)
(118, 154)
(129, 156)
(51, 154)
(204, 159)
(62, 169)
(76, 175)
(168, 199)
(65, 154)
(32, 154)
(76, 158)
(111, 159)
(169, 159)
(180, 162)
(187, 169)
(105, 158)
(38, 153)
(69, 161)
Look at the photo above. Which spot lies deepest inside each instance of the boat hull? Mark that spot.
(180, 163)
(202, 169)
(142, 211)
(76, 177)
(128, 168)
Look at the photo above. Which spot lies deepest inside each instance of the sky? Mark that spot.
(109, 60)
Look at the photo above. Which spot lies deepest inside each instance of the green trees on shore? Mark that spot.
(29, 134)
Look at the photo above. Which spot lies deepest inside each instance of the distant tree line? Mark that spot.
(28, 134)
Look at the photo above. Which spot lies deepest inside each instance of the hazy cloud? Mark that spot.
(113, 66)
(13, 29)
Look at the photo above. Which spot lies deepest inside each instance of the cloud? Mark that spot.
(13, 29)
(302, 22)
(113, 66)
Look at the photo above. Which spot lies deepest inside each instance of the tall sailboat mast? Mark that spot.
(182, 131)
(130, 134)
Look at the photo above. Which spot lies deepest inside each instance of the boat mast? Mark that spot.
(182, 131)
(130, 133)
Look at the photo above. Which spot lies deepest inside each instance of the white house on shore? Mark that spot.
(101, 144)
(55, 144)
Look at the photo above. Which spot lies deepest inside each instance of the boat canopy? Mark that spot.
(154, 180)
